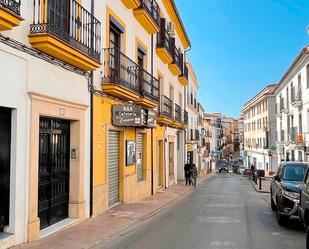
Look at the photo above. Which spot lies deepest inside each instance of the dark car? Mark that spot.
(223, 168)
(285, 190)
(303, 209)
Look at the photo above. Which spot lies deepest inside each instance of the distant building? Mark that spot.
(260, 130)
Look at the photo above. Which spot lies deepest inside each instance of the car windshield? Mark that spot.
(241, 166)
(294, 172)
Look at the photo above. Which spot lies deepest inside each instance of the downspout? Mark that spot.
(91, 125)
(152, 134)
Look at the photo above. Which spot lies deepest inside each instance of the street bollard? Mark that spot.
(260, 187)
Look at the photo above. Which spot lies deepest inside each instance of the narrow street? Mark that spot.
(224, 212)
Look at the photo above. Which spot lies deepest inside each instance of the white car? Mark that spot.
(241, 169)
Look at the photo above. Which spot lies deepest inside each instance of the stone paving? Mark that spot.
(93, 231)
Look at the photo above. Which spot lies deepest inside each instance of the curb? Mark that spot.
(256, 189)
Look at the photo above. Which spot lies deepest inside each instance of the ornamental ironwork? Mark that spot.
(12, 5)
(70, 22)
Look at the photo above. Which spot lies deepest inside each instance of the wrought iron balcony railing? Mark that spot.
(152, 8)
(70, 22)
(166, 107)
(185, 71)
(11, 5)
(121, 70)
(149, 85)
(177, 57)
(178, 113)
(164, 40)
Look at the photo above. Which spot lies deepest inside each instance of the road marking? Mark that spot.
(218, 219)
(224, 205)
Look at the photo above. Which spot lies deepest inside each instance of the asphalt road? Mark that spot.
(222, 213)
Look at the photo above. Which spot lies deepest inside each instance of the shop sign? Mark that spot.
(126, 115)
(132, 115)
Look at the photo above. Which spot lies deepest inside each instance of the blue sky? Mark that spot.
(240, 46)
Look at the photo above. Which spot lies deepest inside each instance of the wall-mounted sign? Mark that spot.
(130, 153)
(73, 154)
(126, 115)
(132, 115)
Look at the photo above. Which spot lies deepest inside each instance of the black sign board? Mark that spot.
(126, 115)
(132, 115)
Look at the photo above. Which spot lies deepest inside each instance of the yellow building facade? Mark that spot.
(135, 132)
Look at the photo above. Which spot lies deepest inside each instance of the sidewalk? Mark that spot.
(265, 188)
(93, 231)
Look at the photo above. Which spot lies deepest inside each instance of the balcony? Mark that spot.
(66, 31)
(9, 14)
(177, 117)
(164, 44)
(283, 108)
(165, 116)
(123, 78)
(183, 78)
(193, 136)
(296, 98)
(148, 15)
(131, 4)
(176, 66)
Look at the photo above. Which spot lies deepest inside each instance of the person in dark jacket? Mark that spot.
(194, 175)
(187, 169)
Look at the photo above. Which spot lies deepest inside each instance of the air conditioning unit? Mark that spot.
(170, 29)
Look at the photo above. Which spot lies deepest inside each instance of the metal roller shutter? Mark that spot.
(113, 167)
(139, 149)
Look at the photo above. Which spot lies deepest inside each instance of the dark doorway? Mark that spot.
(54, 164)
(5, 156)
(115, 48)
(59, 14)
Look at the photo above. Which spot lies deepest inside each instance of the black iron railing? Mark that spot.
(120, 69)
(178, 113)
(166, 107)
(11, 5)
(70, 22)
(185, 117)
(149, 85)
(163, 38)
(177, 57)
(185, 72)
(152, 8)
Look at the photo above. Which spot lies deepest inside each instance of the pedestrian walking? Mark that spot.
(187, 169)
(194, 175)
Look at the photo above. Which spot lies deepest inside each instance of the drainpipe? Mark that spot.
(91, 125)
(152, 134)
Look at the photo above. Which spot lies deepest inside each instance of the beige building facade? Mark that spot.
(260, 131)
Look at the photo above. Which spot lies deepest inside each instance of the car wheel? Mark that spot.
(281, 219)
(272, 203)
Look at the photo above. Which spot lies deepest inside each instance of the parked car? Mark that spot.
(303, 209)
(285, 190)
(223, 168)
(241, 169)
(247, 171)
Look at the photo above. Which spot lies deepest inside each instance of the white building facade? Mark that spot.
(292, 105)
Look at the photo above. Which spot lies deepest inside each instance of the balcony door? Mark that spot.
(115, 45)
(141, 64)
(59, 14)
